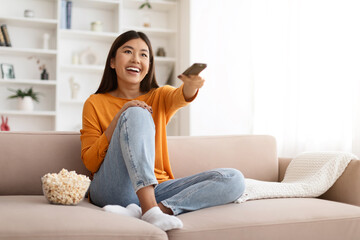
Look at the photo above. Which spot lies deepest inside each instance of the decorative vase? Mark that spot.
(26, 104)
(75, 58)
(44, 75)
(74, 87)
(145, 18)
(161, 52)
(29, 13)
(96, 26)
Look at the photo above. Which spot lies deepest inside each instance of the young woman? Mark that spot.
(124, 142)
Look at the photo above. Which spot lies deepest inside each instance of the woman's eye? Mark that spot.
(144, 55)
(127, 51)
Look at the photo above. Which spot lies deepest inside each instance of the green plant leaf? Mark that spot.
(27, 92)
(35, 98)
(13, 96)
(147, 4)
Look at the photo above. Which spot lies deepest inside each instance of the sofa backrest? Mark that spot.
(254, 155)
(26, 156)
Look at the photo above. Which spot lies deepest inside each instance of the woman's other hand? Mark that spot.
(134, 103)
(192, 84)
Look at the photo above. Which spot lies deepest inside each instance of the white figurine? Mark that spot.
(75, 87)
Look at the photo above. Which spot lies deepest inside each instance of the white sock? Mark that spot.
(132, 210)
(163, 221)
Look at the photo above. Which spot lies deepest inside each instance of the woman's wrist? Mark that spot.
(189, 92)
(191, 85)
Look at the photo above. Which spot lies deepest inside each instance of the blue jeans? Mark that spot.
(129, 166)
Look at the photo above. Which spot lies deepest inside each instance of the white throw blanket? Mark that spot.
(308, 175)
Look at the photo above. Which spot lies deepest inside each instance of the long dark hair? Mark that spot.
(109, 78)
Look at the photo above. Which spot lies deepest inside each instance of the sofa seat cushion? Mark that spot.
(296, 218)
(32, 217)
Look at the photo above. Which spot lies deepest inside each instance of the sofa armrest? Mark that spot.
(283, 164)
(346, 189)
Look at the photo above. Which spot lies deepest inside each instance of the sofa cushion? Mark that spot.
(32, 217)
(280, 219)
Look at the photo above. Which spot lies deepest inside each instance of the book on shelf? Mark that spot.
(65, 14)
(5, 33)
(2, 39)
(68, 14)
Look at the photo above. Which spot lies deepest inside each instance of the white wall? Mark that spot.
(285, 68)
(224, 104)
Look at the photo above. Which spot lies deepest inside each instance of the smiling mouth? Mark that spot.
(133, 69)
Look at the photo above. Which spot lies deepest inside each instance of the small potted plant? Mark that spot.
(146, 16)
(42, 67)
(25, 98)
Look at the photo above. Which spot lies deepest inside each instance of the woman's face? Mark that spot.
(131, 62)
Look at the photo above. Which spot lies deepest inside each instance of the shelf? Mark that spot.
(29, 22)
(27, 52)
(165, 60)
(98, 4)
(28, 113)
(156, 5)
(88, 35)
(77, 102)
(83, 68)
(28, 81)
(156, 32)
(109, 36)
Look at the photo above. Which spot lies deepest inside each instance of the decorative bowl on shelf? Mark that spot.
(88, 57)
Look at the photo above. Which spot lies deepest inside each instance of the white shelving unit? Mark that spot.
(25, 52)
(28, 82)
(57, 109)
(29, 22)
(30, 113)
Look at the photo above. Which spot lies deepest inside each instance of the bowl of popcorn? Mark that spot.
(67, 188)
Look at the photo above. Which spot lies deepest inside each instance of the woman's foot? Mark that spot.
(132, 210)
(163, 221)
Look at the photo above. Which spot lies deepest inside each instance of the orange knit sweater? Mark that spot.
(100, 109)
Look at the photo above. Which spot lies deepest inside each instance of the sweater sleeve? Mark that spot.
(174, 100)
(94, 143)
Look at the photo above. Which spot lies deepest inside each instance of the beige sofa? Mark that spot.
(25, 214)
